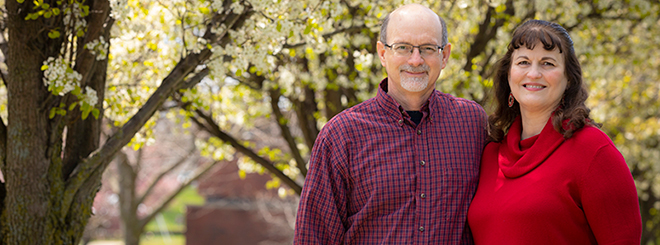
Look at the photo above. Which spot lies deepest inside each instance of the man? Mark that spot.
(400, 168)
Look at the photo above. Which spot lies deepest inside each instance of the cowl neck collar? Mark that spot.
(514, 161)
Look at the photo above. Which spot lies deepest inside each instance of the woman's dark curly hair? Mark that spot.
(571, 108)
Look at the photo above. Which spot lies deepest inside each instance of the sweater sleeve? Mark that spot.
(322, 209)
(609, 199)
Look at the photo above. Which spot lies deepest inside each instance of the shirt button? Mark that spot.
(421, 228)
(423, 195)
(422, 163)
(400, 122)
(419, 132)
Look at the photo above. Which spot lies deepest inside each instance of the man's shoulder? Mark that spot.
(354, 112)
(459, 104)
(347, 119)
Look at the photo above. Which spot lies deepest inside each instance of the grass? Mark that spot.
(162, 240)
(174, 216)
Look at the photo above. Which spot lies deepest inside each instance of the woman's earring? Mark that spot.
(511, 100)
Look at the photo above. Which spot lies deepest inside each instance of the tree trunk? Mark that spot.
(48, 199)
(27, 163)
(34, 212)
(131, 227)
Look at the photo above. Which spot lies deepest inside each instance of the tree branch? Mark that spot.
(329, 34)
(144, 221)
(284, 130)
(98, 160)
(3, 145)
(153, 184)
(4, 45)
(210, 126)
(487, 32)
(305, 111)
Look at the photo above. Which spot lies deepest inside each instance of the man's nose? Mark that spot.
(415, 58)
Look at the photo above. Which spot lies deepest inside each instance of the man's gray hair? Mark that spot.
(383, 30)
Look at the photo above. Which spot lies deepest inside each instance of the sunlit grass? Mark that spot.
(147, 240)
(174, 217)
(163, 240)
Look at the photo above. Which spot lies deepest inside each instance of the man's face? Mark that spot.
(416, 72)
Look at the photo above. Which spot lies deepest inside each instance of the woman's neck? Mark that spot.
(533, 123)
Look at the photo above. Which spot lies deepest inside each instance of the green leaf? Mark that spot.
(48, 14)
(85, 9)
(308, 29)
(96, 113)
(44, 67)
(45, 6)
(72, 106)
(279, 26)
(76, 91)
(31, 16)
(51, 114)
(85, 114)
(56, 11)
(53, 34)
(60, 111)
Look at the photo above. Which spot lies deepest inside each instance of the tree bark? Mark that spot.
(285, 132)
(305, 111)
(49, 199)
(27, 165)
(83, 137)
(127, 200)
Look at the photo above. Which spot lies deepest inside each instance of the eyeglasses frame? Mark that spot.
(440, 48)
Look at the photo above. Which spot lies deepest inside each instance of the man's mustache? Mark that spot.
(409, 68)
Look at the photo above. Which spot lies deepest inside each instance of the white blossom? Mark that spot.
(119, 9)
(59, 77)
(90, 97)
(98, 47)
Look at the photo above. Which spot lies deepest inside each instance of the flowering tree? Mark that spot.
(222, 64)
(57, 59)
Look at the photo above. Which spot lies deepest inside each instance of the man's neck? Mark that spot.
(408, 100)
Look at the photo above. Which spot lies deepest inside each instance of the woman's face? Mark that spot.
(537, 79)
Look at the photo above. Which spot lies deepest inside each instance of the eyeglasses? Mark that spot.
(404, 49)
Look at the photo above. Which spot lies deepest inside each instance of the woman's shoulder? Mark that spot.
(591, 141)
(591, 134)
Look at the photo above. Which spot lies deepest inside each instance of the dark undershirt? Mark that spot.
(415, 116)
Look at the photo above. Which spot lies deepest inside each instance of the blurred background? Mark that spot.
(223, 160)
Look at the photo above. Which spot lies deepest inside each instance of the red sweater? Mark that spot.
(547, 190)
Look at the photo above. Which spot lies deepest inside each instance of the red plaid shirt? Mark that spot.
(376, 178)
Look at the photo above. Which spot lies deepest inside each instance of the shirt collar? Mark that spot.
(394, 109)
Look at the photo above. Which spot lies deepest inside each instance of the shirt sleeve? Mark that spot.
(609, 199)
(321, 216)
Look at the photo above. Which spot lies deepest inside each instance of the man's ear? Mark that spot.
(380, 47)
(445, 55)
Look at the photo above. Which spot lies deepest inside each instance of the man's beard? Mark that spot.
(414, 84)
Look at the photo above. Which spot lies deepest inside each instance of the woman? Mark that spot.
(549, 175)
